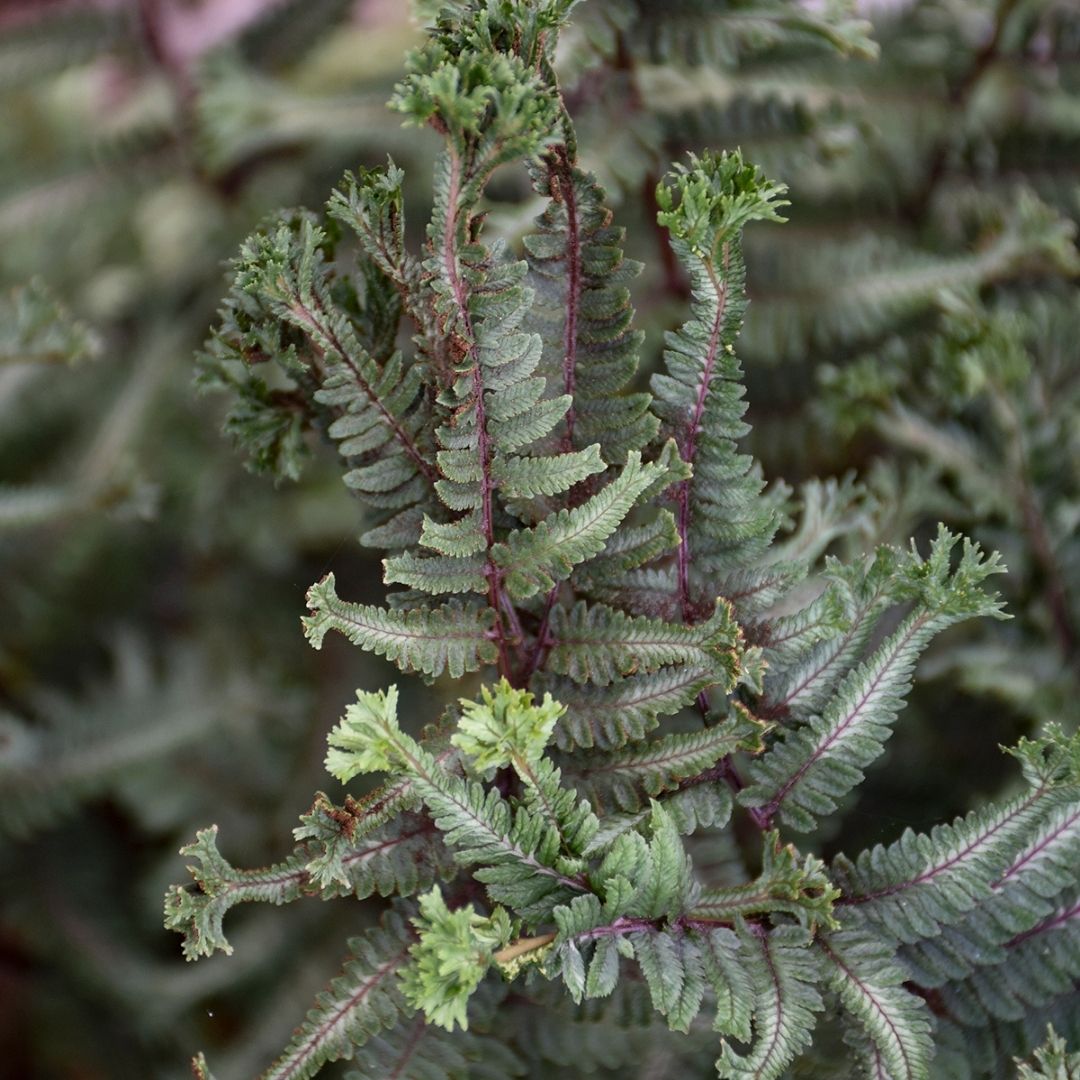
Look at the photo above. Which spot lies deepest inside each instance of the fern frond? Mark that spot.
(665, 885)
(401, 858)
(452, 638)
(242, 113)
(527, 477)
(371, 203)
(199, 915)
(871, 284)
(72, 748)
(1052, 1061)
(518, 852)
(867, 980)
(811, 767)
(810, 652)
(911, 888)
(562, 807)
(730, 982)
(583, 313)
(421, 1051)
(438, 575)
(35, 328)
(609, 717)
(533, 560)
(697, 32)
(362, 1001)
(783, 971)
(280, 309)
(617, 1031)
(627, 779)
(601, 645)
(450, 958)
(1043, 867)
(381, 413)
(801, 889)
(674, 972)
(698, 803)
(723, 523)
(1040, 966)
(629, 547)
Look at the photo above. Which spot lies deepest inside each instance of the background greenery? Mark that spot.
(915, 323)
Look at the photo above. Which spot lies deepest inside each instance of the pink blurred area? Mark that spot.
(184, 29)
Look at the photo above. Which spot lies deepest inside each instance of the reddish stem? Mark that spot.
(497, 599)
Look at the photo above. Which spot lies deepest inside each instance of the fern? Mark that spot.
(698, 396)
(897, 889)
(662, 644)
(63, 748)
(623, 779)
(704, 34)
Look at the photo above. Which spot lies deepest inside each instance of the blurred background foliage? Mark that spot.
(916, 324)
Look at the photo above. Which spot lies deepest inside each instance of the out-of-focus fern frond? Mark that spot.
(36, 328)
(67, 749)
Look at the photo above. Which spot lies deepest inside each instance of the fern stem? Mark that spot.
(622, 925)
(724, 770)
(521, 947)
(544, 640)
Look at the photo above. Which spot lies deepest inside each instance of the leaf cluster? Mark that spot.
(664, 657)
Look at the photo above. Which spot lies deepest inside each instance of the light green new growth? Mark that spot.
(363, 742)
(506, 728)
(712, 199)
(451, 958)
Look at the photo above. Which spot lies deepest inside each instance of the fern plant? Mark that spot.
(655, 692)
